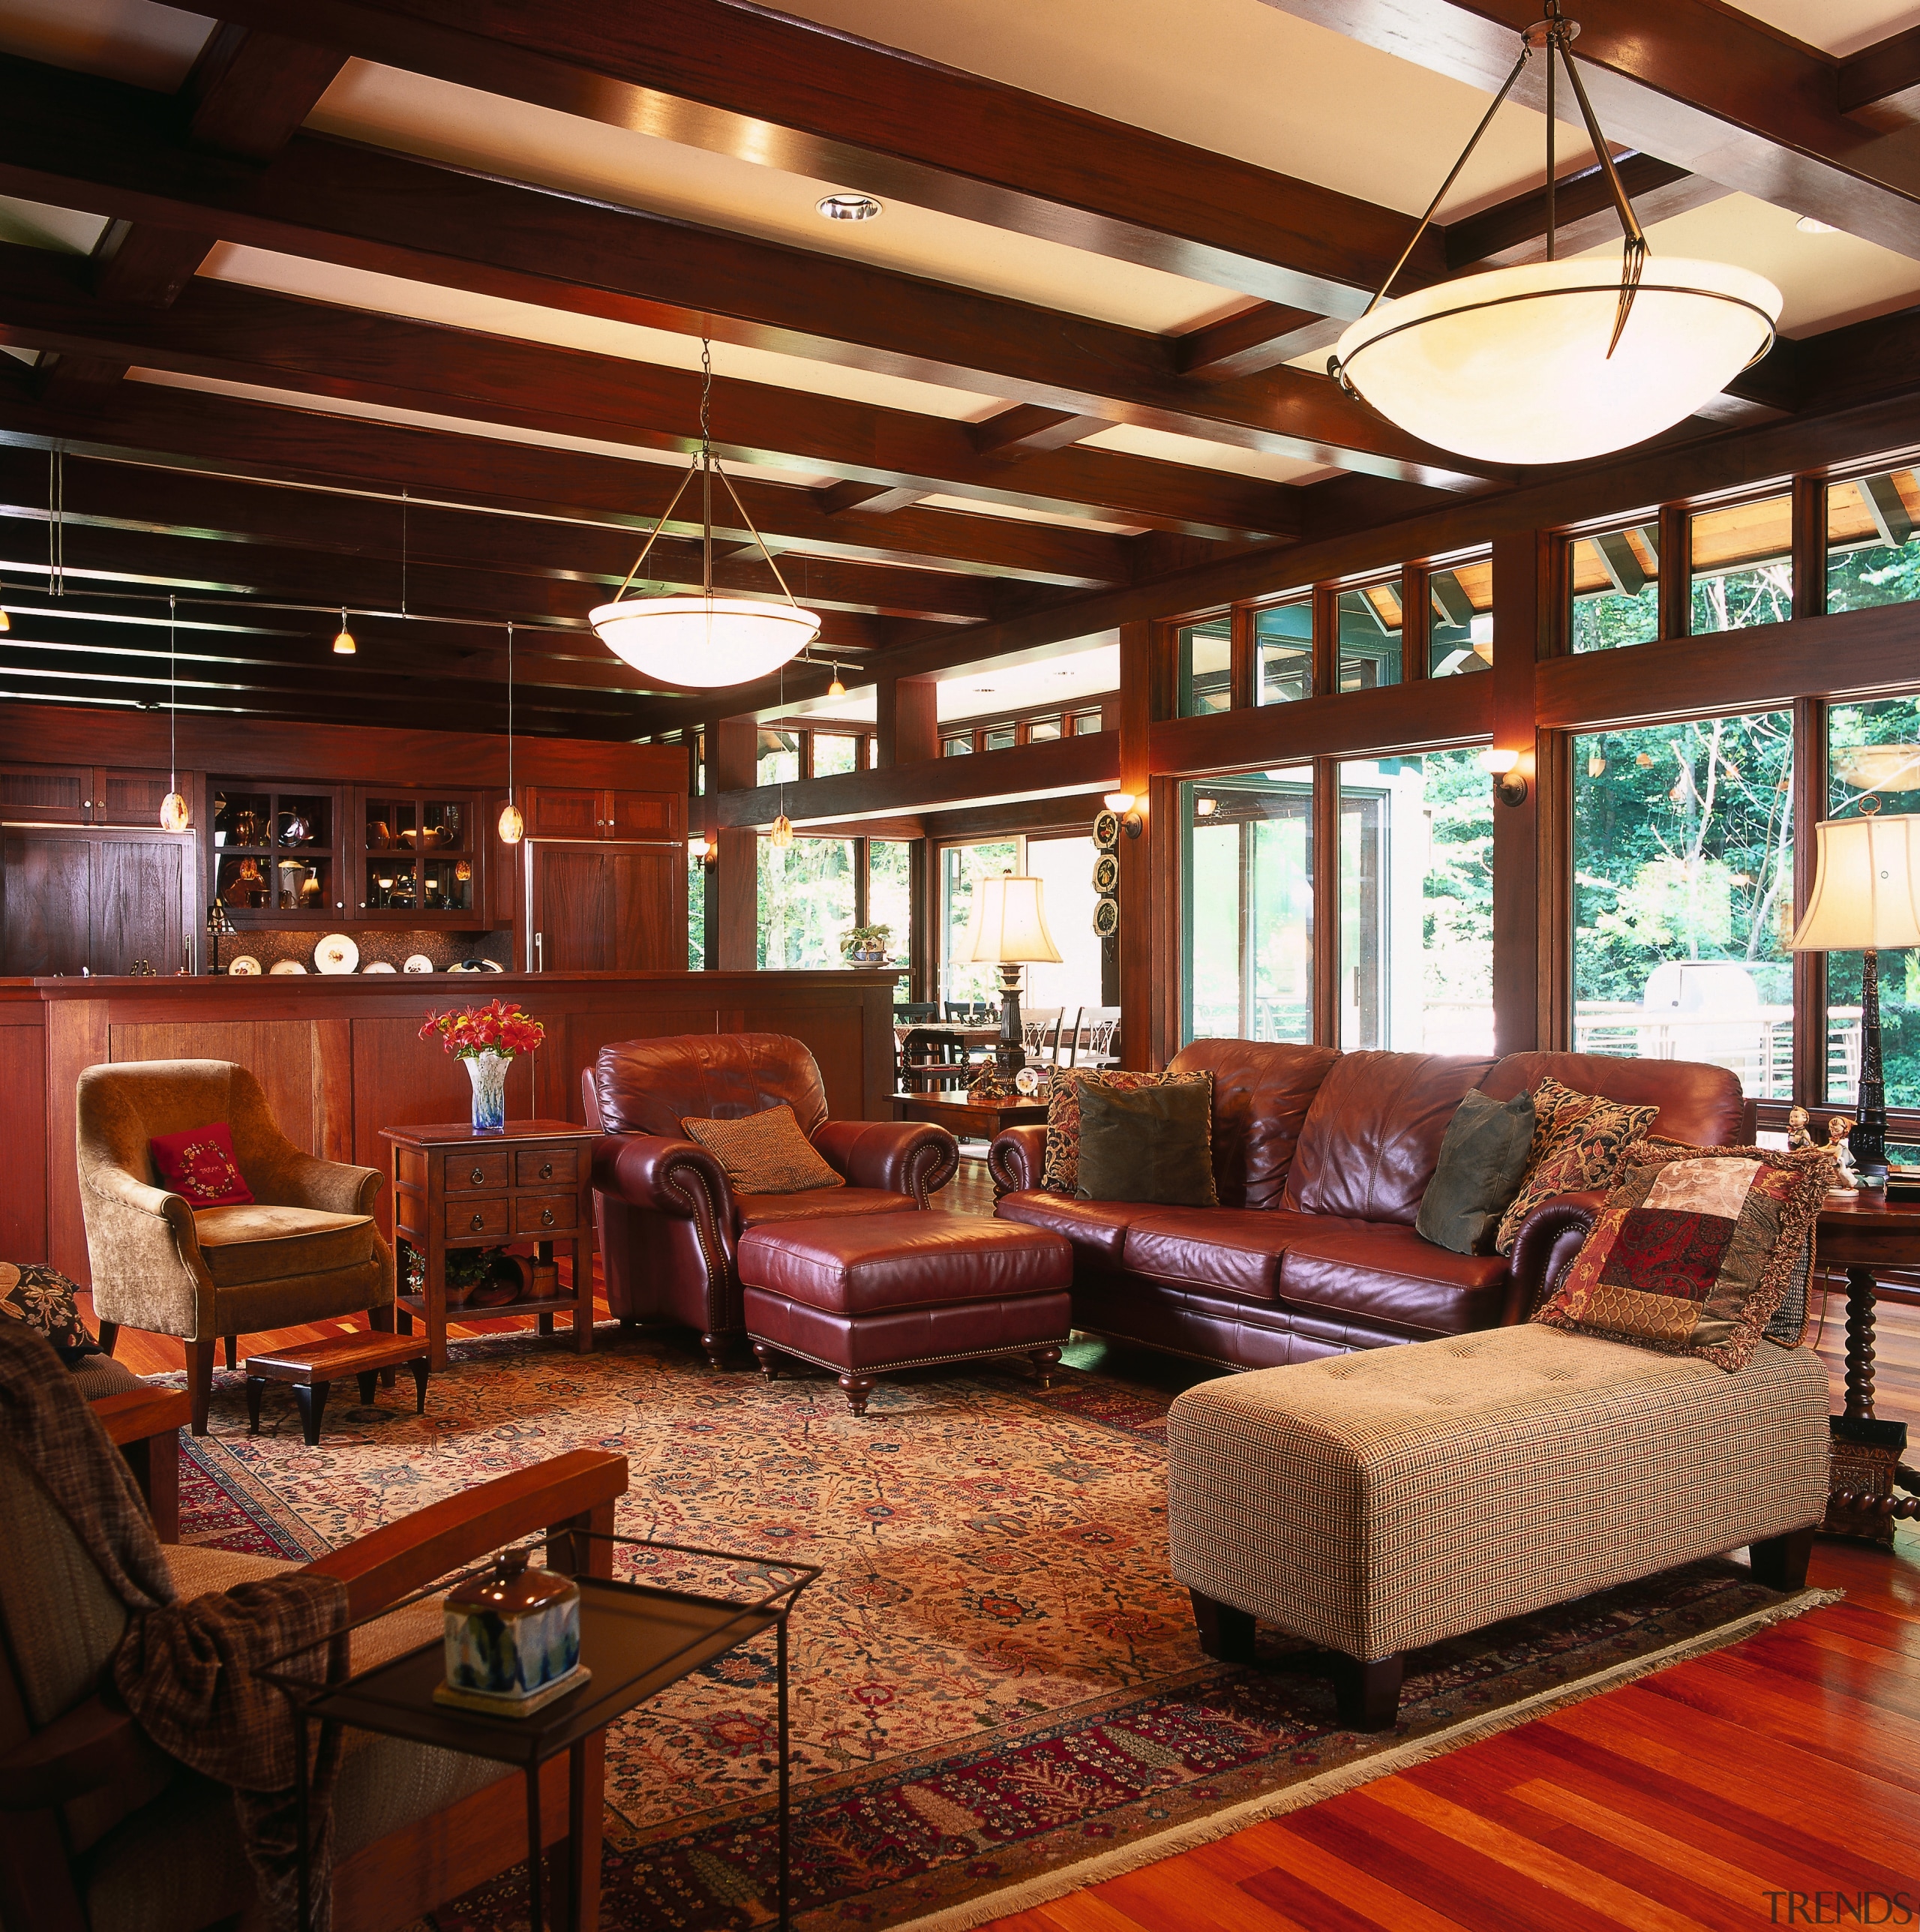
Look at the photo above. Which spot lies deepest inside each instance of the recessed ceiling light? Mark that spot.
(1809, 224)
(848, 207)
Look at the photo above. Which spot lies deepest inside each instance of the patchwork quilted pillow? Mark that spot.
(1578, 1141)
(1695, 1252)
(1060, 1171)
(766, 1153)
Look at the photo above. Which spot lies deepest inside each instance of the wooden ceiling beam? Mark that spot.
(1881, 83)
(1514, 231)
(229, 332)
(1693, 83)
(81, 142)
(1257, 338)
(741, 80)
(180, 428)
(1026, 428)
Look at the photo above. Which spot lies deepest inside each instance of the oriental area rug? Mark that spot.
(998, 1693)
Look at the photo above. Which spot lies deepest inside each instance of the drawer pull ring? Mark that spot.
(547, 1170)
(546, 1217)
(476, 1177)
(479, 1221)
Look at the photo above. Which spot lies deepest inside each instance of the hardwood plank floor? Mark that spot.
(1724, 1793)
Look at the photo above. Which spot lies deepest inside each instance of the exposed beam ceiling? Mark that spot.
(1697, 84)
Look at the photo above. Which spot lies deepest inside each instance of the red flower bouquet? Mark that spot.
(492, 1028)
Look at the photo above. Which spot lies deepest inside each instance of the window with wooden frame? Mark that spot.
(1283, 652)
(1369, 637)
(1873, 527)
(1205, 651)
(1613, 587)
(1459, 617)
(1740, 565)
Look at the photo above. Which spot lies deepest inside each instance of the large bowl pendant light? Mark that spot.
(704, 641)
(1555, 361)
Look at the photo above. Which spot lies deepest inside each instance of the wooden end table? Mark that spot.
(453, 1188)
(144, 1425)
(971, 1120)
(1866, 1234)
(313, 1367)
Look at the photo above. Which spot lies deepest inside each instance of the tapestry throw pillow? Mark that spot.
(1149, 1144)
(1578, 1141)
(42, 1298)
(199, 1165)
(765, 1154)
(1483, 1157)
(1694, 1252)
(1060, 1170)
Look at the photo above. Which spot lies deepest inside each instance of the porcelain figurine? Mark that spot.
(1799, 1139)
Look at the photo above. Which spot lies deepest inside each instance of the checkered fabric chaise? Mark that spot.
(1378, 1501)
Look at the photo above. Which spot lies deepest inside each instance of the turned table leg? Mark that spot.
(1860, 1342)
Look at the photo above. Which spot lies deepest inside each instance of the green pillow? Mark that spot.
(1483, 1160)
(1148, 1144)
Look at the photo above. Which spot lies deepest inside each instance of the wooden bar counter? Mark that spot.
(339, 1059)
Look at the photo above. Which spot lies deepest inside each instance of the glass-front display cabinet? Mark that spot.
(419, 855)
(276, 853)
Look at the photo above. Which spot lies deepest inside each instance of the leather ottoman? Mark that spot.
(872, 1293)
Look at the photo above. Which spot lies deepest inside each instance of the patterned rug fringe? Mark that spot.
(1031, 1892)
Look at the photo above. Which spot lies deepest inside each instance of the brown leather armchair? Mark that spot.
(669, 1221)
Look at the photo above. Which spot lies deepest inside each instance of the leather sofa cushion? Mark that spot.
(1096, 1229)
(1699, 1104)
(1262, 1089)
(819, 1203)
(911, 1260)
(259, 1242)
(1390, 1275)
(1373, 1135)
(649, 1086)
(902, 1337)
(1236, 1250)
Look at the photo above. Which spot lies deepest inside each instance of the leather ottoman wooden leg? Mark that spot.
(1226, 1634)
(1044, 1361)
(769, 1360)
(858, 1388)
(1368, 1695)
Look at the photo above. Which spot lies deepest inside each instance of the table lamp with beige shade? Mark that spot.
(1866, 896)
(1009, 930)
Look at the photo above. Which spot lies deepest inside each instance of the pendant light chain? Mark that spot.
(512, 823)
(174, 815)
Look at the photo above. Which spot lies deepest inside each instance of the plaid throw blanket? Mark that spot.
(185, 1670)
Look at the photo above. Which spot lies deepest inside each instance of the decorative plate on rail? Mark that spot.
(1106, 831)
(1106, 872)
(245, 968)
(286, 966)
(1106, 917)
(418, 962)
(379, 966)
(336, 953)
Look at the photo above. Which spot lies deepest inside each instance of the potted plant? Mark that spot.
(488, 1039)
(865, 945)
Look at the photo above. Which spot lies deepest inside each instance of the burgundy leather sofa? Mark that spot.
(1320, 1158)
(668, 1220)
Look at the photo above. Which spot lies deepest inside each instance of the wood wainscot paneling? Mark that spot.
(340, 1058)
(23, 1088)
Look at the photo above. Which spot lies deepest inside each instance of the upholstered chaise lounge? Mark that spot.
(668, 1219)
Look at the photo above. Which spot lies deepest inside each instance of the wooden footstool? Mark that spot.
(312, 1367)
(871, 1293)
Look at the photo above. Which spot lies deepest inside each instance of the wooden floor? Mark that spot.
(1725, 1792)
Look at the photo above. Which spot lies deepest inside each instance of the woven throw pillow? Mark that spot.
(1148, 1144)
(199, 1165)
(1060, 1171)
(765, 1154)
(42, 1298)
(1578, 1141)
(1694, 1252)
(1482, 1160)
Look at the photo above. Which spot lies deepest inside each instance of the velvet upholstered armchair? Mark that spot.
(668, 1219)
(100, 1831)
(307, 1249)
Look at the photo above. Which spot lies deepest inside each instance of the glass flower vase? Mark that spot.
(488, 1073)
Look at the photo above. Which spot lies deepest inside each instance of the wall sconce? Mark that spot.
(1205, 808)
(698, 850)
(1124, 806)
(1509, 787)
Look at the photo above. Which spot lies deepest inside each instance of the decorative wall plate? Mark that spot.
(491, 966)
(1106, 872)
(245, 968)
(1106, 831)
(286, 966)
(379, 966)
(467, 966)
(1106, 918)
(336, 953)
(418, 962)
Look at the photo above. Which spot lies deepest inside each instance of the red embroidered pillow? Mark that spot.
(199, 1166)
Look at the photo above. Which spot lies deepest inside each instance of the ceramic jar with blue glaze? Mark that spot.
(512, 1632)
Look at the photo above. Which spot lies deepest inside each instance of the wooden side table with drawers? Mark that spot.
(453, 1188)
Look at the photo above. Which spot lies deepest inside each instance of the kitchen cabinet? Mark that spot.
(418, 857)
(608, 816)
(83, 795)
(277, 858)
(88, 898)
(599, 908)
